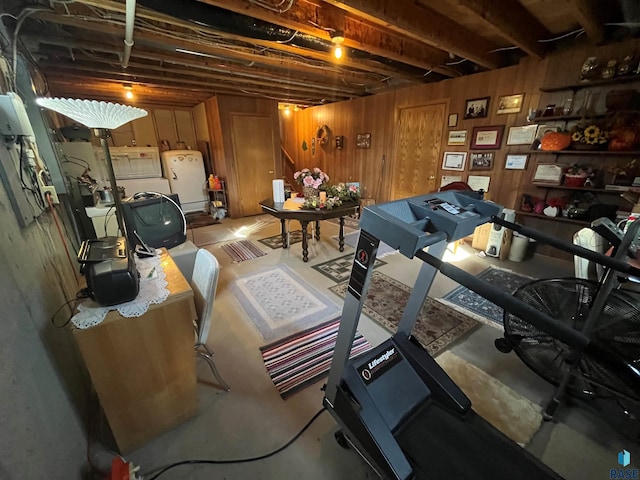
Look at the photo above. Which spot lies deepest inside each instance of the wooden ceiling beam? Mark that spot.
(254, 78)
(159, 39)
(210, 90)
(424, 25)
(513, 21)
(308, 75)
(588, 16)
(141, 76)
(361, 36)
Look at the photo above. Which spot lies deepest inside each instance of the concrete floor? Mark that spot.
(252, 419)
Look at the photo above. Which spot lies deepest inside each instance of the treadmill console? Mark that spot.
(410, 224)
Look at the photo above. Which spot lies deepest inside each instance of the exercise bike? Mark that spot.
(601, 310)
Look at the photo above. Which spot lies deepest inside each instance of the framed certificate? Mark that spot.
(522, 135)
(457, 137)
(487, 138)
(548, 174)
(454, 160)
(516, 162)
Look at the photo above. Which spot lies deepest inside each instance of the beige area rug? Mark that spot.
(515, 416)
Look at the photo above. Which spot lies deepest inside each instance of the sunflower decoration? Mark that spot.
(589, 136)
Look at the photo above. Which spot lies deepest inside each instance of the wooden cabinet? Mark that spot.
(143, 368)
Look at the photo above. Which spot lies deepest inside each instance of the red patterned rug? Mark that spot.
(302, 359)
(438, 325)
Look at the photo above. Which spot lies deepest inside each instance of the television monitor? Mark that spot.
(157, 218)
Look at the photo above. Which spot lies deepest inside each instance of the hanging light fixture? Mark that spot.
(128, 91)
(337, 38)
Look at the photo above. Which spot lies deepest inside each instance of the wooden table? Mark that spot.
(143, 368)
(291, 210)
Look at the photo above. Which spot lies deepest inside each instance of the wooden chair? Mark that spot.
(204, 282)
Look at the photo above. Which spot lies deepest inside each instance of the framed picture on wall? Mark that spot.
(454, 160)
(363, 140)
(476, 108)
(524, 135)
(510, 103)
(516, 162)
(457, 137)
(487, 138)
(453, 120)
(482, 161)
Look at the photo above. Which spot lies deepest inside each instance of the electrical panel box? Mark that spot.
(13, 116)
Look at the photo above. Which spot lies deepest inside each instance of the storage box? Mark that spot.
(481, 236)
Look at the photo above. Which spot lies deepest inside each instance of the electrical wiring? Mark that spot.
(165, 469)
(80, 295)
(106, 219)
(64, 243)
(290, 38)
(579, 31)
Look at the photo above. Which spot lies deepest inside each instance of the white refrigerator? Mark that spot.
(185, 171)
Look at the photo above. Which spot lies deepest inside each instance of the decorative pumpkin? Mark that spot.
(554, 141)
(622, 141)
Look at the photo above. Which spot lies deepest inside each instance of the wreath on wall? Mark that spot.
(322, 134)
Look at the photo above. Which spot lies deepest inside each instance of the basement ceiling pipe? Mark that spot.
(128, 31)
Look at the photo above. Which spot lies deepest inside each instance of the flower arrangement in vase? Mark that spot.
(311, 177)
(336, 195)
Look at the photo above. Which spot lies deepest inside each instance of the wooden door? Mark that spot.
(253, 148)
(417, 150)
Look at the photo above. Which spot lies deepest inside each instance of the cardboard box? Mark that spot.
(481, 236)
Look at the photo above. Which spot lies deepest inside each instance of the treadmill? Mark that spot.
(396, 406)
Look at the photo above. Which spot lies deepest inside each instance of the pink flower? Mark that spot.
(316, 183)
(296, 175)
(308, 181)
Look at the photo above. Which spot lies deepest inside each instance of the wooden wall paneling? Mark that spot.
(378, 118)
(122, 136)
(144, 132)
(200, 122)
(220, 110)
(166, 126)
(185, 127)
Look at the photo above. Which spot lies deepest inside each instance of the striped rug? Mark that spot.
(242, 250)
(301, 359)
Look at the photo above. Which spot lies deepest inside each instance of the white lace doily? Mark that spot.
(153, 289)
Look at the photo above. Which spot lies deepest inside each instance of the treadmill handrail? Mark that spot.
(506, 300)
(611, 262)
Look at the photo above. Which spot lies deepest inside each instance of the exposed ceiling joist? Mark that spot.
(424, 25)
(513, 21)
(160, 39)
(356, 85)
(359, 35)
(588, 16)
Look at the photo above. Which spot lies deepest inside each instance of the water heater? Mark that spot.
(498, 232)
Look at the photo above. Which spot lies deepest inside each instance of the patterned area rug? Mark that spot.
(242, 250)
(339, 268)
(275, 241)
(349, 222)
(297, 361)
(476, 305)
(280, 303)
(351, 239)
(438, 325)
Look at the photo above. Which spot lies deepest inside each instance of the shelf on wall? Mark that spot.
(583, 189)
(593, 83)
(554, 219)
(587, 152)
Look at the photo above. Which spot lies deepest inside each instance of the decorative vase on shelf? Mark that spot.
(309, 192)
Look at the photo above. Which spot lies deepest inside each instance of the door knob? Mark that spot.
(270, 171)
(431, 177)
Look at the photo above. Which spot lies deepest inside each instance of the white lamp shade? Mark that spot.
(92, 113)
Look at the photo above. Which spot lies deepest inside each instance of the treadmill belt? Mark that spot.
(440, 444)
